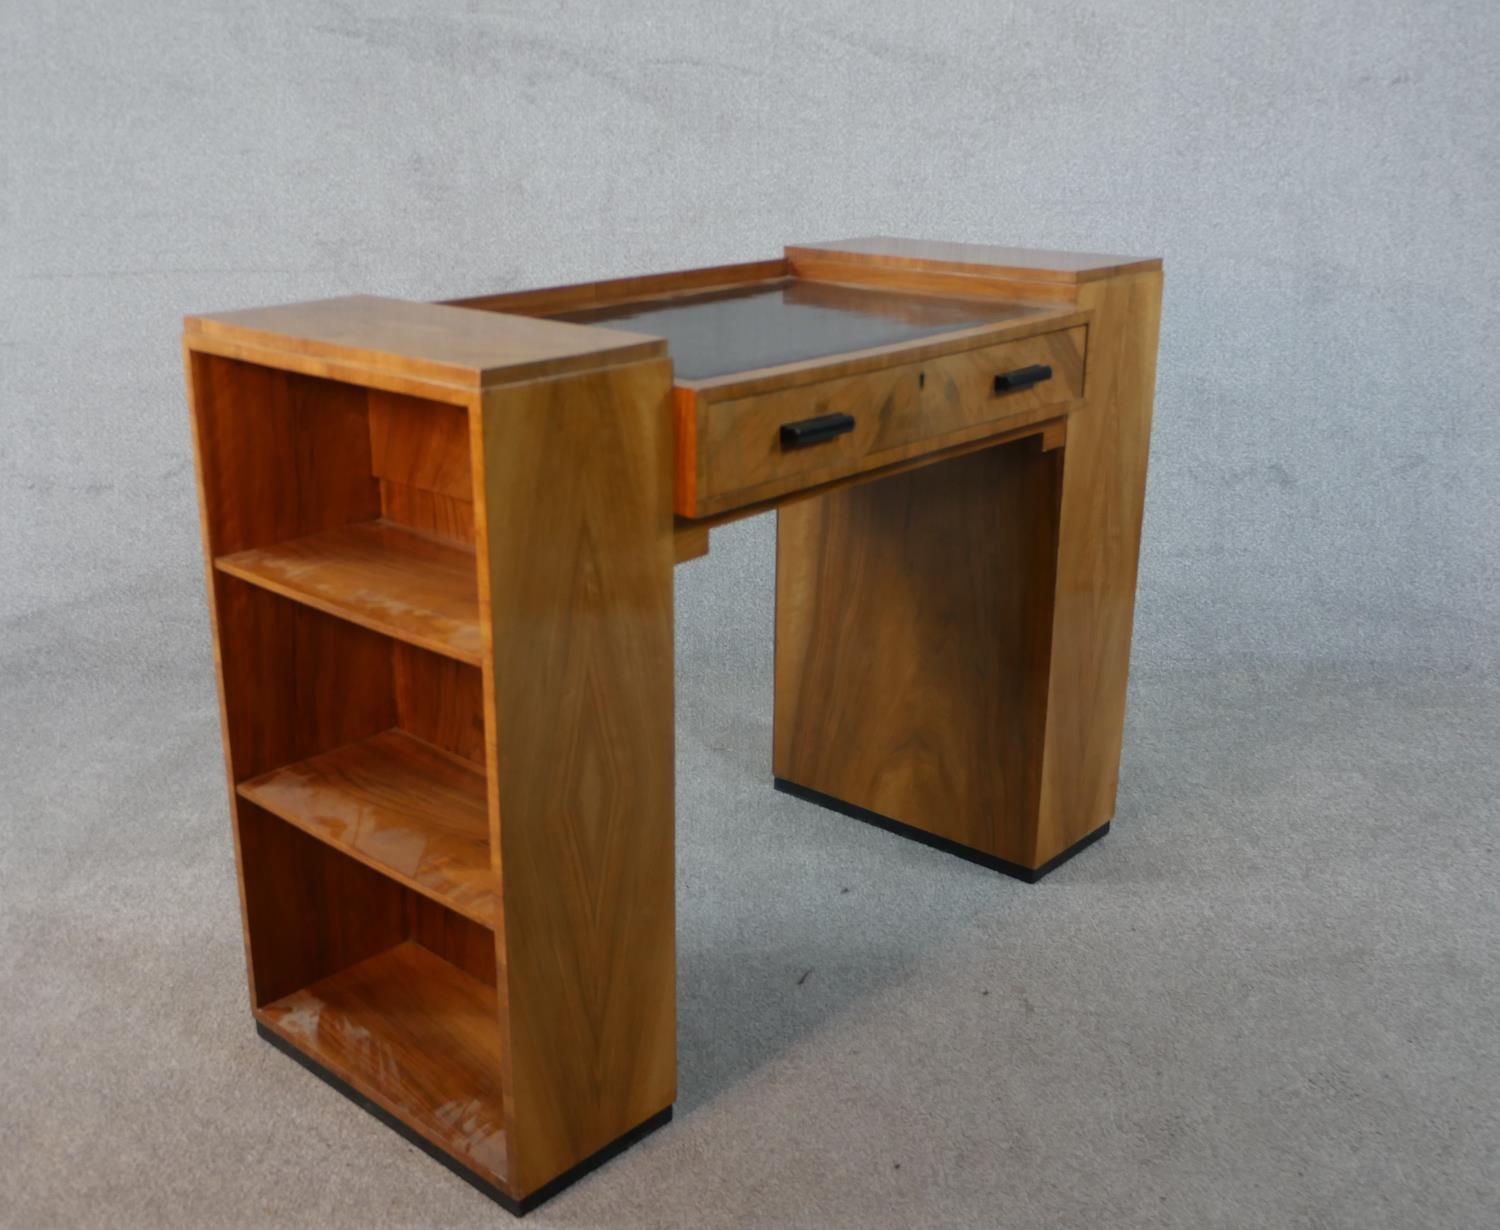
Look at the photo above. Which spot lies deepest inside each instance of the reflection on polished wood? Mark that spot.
(399, 805)
(419, 1038)
(993, 262)
(1103, 502)
(579, 644)
(419, 348)
(379, 575)
(581, 296)
(898, 412)
(913, 621)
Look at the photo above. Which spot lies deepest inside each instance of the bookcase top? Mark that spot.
(432, 342)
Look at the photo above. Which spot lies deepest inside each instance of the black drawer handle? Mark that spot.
(815, 431)
(1022, 378)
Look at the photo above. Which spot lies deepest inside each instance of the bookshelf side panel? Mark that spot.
(576, 554)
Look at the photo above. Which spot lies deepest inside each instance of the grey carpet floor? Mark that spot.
(1270, 997)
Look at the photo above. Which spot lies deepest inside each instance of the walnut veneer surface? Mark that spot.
(439, 543)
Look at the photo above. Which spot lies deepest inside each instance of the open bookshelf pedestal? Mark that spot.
(415, 1035)
(448, 754)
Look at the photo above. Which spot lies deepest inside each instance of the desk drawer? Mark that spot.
(744, 455)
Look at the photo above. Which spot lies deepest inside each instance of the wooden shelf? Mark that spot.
(399, 805)
(419, 1038)
(380, 575)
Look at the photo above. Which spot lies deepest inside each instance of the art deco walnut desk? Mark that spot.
(440, 541)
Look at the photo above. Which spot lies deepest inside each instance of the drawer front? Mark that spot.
(746, 455)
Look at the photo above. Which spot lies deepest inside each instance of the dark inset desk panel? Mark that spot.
(767, 324)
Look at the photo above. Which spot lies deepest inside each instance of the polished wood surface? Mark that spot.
(439, 543)
(379, 575)
(818, 266)
(991, 261)
(399, 805)
(421, 444)
(897, 411)
(576, 555)
(551, 300)
(415, 1035)
(280, 454)
(430, 512)
(425, 342)
(419, 454)
(439, 700)
(1103, 500)
(296, 681)
(1046, 435)
(689, 541)
(309, 909)
(912, 637)
(1098, 529)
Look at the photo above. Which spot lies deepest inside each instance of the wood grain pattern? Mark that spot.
(281, 455)
(439, 700)
(439, 543)
(295, 681)
(401, 806)
(419, 454)
(428, 512)
(420, 443)
(310, 910)
(687, 453)
(912, 629)
(703, 411)
(458, 940)
(548, 300)
(379, 575)
(426, 343)
(418, 1037)
(204, 397)
(989, 260)
(689, 541)
(897, 410)
(1046, 435)
(576, 554)
(911, 279)
(1103, 499)
(356, 375)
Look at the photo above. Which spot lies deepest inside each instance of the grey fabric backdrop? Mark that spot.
(1321, 563)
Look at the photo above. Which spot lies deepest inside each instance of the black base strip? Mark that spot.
(1029, 874)
(509, 1203)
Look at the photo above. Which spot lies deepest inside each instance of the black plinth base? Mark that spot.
(1029, 874)
(509, 1203)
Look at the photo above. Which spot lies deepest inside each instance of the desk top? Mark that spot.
(819, 312)
(786, 320)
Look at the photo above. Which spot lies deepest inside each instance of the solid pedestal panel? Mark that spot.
(1103, 499)
(953, 645)
(913, 623)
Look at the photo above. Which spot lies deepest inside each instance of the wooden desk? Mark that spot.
(439, 543)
